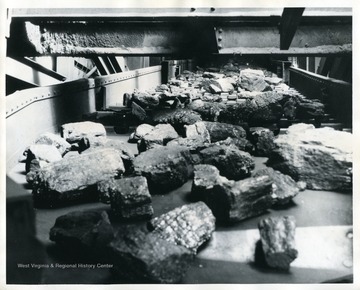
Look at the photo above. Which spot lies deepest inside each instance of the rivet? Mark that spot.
(219, 38)
(212, 9)
(220, 30)
(192, 9)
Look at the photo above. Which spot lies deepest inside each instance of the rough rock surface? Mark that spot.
(160, 135)
(140, 132)
(221, 131)
(232, 163)
(42, 153)
(91, 229)
(145, 99)
(252, 80)
(263, 108)
(278, 241)
(73, 132)
(190, 225)
(320, 157)
(263, 139)
(231, 201)
(52, 139)
(89, 144)
(130, 198)
(198, 129)
(165, 168)
(302, 108)
(209, 111)
(284, 187)
(240, 143)
(194, 144)
(75, 178)
(139, 256)
(176, 117)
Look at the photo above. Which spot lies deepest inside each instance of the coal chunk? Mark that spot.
(143, 257)
(160, 135)
(52, 139)
(284, 187)
(229, 200)
(75, 178)
(240, 143)
(221, 131)
(209, 111)
(278, 241)
(198, 129)
(130, 198)
(263, 139)
(189, 225)
(91, 229)
(145, 99)
(194, 144)
(43, 153)
(140, 132)
(73, 132)
(320, 157)
(231, 162)
(165, 168)
(252, 80)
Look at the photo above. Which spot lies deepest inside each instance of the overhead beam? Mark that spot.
(290, 19)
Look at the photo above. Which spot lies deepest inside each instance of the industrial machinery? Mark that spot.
(66, 65)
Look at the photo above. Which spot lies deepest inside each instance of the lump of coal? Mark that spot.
(263, 139)
(231, 162)
(140, 132)
(130, 198)
(240, 143)
(190, 225)
(284, 187)
(43, 153)
(165, 168)
(83, 228)
(198, 129)
(140, 256)
(160, 135)
(231, 201)
(145, 100)
(278, 241)
(73, 132)
(320, 157)
(75, 178)
(221, 131)
(52, 139)
(194, 144)
(252, 80)
(209, 111)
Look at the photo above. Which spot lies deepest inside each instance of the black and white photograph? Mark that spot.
(203, 143)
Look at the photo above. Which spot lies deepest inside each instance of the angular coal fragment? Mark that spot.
(240, 143)
(160, 135)
(91, 229)
(209, 111)
(320, 157)
(232, 163)
(176, 118)
(52, 139)
(253, 80)
(140, 132)
(130, 198)
(165, 168)
(145, 100)
(194, 144)
(198, 129)
(231, 201)
(139, 256)
(278, 241)
(221, 131)
(43, 153)
(190, 225)
(75, 178)
(284, 187)
(73, 132)
(263, 139)
(90, 144)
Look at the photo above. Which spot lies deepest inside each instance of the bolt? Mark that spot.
(212, 9)
(192, 9)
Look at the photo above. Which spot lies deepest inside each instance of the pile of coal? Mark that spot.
(165, 168)
(73, 132)
(90, 229)
(284, 187)
(278, 241)
(229, 200)
(189, 225)
(129, 197)
(140, 256)
(74, 179)
(232, 163)
(320, 157)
